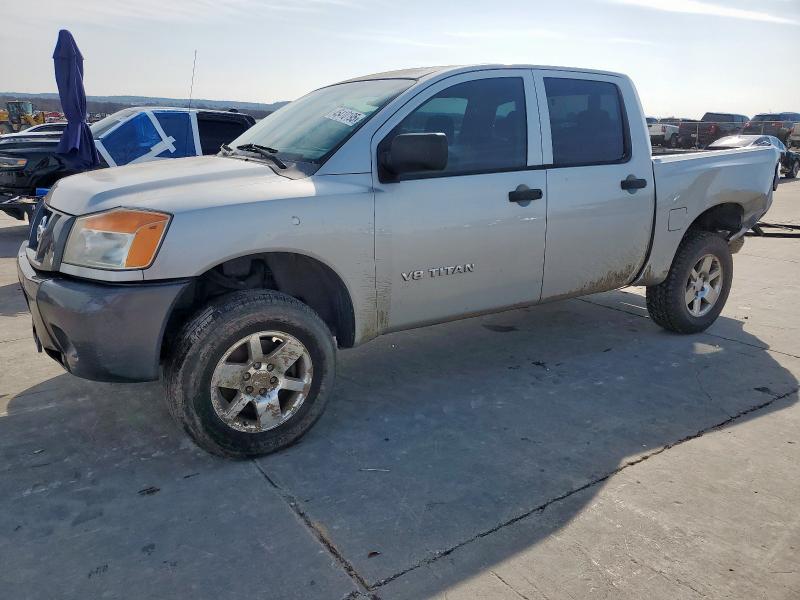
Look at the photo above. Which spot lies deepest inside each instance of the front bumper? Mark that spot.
(98, 331)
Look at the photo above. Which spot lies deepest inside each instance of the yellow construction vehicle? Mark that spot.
(19, 115)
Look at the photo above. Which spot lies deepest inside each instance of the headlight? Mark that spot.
(9, 162)
(116, 239)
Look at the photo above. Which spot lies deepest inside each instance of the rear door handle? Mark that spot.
(523, 195)
(631, 183)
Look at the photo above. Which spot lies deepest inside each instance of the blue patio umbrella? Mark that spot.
(76, 144)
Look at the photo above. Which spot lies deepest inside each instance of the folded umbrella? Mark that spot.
(76, 144)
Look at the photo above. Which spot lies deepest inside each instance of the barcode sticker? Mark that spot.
(345, 115)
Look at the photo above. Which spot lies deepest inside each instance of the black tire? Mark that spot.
(204, 340)
(794, 170)
(777, 178)
(666, 301)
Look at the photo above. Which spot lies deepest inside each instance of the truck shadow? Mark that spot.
(434, 438)
(12, 303)
(11, 238)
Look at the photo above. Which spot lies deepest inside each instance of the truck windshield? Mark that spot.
(312, 128)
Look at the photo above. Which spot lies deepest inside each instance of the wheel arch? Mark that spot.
(723, 217)
(302, 276)
(726, 219)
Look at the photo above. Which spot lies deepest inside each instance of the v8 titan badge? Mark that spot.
(438, 272)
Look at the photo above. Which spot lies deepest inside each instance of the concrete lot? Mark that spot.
(572, 450)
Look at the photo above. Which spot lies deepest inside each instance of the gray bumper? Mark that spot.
(98, 331)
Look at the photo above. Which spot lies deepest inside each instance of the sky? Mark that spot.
(685, 56)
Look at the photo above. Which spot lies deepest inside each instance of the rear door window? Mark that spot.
(177, 127)
(587, 122)
(484, 120)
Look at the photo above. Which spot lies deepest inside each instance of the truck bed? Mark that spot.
(689, 183)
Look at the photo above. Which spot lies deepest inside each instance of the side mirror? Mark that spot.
(414, 152)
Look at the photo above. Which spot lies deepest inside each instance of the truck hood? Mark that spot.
(174, 185)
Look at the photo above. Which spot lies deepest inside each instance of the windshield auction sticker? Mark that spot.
(345, 115)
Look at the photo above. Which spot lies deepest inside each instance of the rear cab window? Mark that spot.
(587, 122)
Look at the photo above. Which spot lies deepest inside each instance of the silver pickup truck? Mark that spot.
(382, 203)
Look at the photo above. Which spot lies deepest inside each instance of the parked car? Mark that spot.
(711, 127)
(788, 162)
(381, 203)
(779, 125)
(132, 135)
(52, 129)
(794, 137)
(662, 133)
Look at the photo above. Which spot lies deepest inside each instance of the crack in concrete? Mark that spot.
(368, 590)
(509, 586)
(541, 508)
(323, 539)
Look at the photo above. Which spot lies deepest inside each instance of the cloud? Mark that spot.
(626, 40)
(391, 38)
(697, 7)
(507, 33)
(538, 34)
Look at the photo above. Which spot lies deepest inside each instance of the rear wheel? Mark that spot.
(694, 293)
(251, 373)
(673, 140)
(795, 170)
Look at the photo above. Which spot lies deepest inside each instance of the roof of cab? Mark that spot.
(425, 72)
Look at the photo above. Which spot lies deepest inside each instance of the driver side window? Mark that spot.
(484, 121)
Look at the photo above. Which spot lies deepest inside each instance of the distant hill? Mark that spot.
(110, 104)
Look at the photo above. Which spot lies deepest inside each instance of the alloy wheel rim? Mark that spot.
(704, 286)
(261, 381)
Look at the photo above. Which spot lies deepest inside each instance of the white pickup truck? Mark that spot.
(662, 134)
(381, 203)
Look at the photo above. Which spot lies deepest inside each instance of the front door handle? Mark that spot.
(523, 195)
(631, 183)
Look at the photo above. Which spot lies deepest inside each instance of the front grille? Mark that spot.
(41, 220)
(47, 237)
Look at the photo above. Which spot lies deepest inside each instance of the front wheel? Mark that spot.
(694, 293)
(251, 373)
(794, 171)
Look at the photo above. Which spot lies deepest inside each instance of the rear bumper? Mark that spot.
(98, 331)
